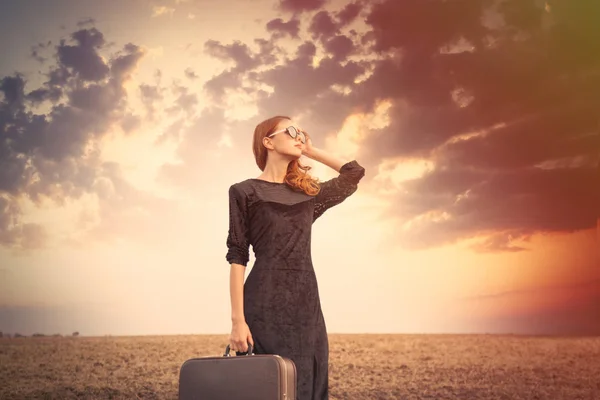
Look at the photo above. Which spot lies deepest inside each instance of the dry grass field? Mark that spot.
(361, 366)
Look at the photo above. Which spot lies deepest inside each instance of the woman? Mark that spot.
(278, 309)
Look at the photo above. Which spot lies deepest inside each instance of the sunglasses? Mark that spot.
(293, 132)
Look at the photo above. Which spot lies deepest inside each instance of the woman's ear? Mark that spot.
(267, 143)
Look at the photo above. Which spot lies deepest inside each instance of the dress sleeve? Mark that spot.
(237, 239)
(336, 190)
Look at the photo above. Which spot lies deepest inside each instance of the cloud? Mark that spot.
(592, 285)
(570, 309)
(190, 74)
(238, 52)
(245, 60)
(349, 13)
(501, 99)
(157, 11)
(123, 211)
(54, 156)
(299, 6)
(531, 164)
(82, 58)
(37, 49)
(14, 233)
(184, 101)
(152, 95)
(322, 25)
(340, 47)
(280, 29)
(86, 21)
(200, 149)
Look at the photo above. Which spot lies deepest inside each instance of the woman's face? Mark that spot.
(283, 141)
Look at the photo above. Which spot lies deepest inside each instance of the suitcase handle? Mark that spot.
(248, 353)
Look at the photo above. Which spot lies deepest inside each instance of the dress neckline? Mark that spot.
(262, 180)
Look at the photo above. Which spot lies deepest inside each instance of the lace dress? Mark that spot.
(281, 297)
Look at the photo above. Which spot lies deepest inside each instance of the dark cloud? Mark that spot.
(298, 84)
(52, 90)
(503, 97)
(349, 13)
(244, 59)
(218, 85)
(54, 155)
(524, 143)
(322, 26)
(278, 28)
(38, 49)
(38, 96)
(533, 98)
(340, 47)
(82, 58)
(268, 51)
(238, 52)
(298, 6)
(296, 95)
(512, 205)
(86, 21)
(408, 25)
(125, 62)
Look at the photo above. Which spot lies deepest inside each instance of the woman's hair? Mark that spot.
(296, 177)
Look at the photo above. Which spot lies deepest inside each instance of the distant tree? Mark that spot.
(75, 333)
(38, 335)
(1, 334)
(17, 335)
(57, 335)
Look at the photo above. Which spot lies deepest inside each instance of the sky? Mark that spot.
(123, 124)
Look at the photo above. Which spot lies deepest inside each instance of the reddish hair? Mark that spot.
(296, 176)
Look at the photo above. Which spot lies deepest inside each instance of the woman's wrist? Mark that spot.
(326, 158)
(308, 153)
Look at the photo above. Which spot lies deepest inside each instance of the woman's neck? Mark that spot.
(275, 170)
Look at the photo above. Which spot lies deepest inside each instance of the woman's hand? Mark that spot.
(240, 337)
(321, 156)
(308, 147)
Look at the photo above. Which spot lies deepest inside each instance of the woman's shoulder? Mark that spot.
(243, 187)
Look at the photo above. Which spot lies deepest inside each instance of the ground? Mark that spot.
(440, 367)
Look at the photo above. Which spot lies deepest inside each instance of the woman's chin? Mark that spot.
(295, 154)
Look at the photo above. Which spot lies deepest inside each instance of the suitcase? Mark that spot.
(244, 377)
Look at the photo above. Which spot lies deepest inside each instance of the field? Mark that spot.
(361, 366)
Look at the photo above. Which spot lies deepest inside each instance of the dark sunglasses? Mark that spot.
(293, 132)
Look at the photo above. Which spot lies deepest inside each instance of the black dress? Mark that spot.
(281, 297)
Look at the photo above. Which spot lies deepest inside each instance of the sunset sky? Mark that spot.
(123, 124)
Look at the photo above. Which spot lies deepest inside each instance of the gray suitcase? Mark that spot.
(244, 377)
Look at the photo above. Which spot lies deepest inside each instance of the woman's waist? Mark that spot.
(272, 258)
(283, 263)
